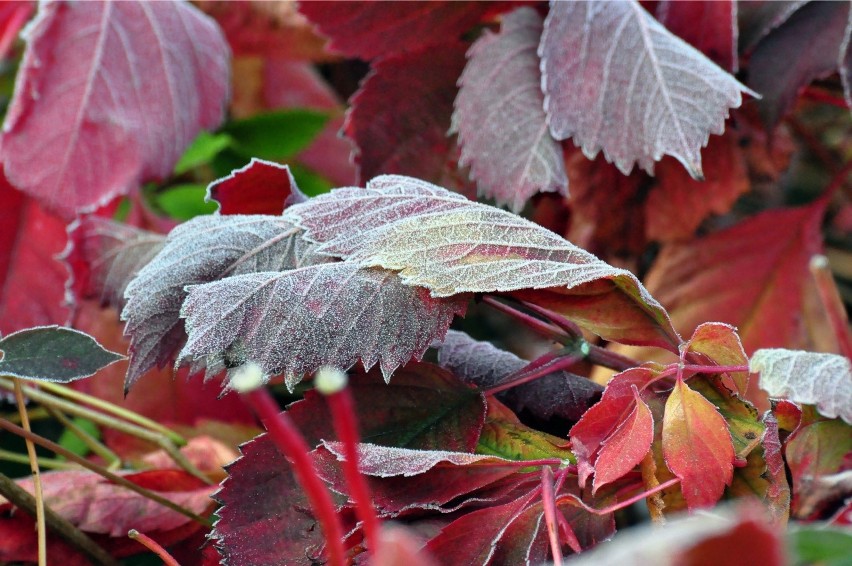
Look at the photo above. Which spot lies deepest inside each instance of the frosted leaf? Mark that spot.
(201, 250)
(615, 79)
(114, 253)
(500, 119)
(388, 461)
(809, 378)
(297, 321)
(439, 240)
(479, 363)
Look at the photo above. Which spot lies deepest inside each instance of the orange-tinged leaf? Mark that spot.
(697, 446)
(627, 446)
(720, 344)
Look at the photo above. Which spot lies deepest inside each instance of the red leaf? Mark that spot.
(678, 204)
(373, 29)
(710, 27)
(13, 16)
(778, 492)
(697, 446)
(500, 118)
(261, 187)
(602, 420)
(267, 29)
(83, 89)
(94, 505)
(767, 256)
(399, 117)
(627, 446)
(805, 47)
(32, 281)
(720, 344)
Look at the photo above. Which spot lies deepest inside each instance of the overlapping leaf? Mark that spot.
(295, 322)
(617, 80)
(261, 187)
(559, 394)
(439, 240)
(720, 344)
(201, 250)
(500, 118)
(399, 117)
(113, 254)
(710, 27)
(810, 378)
(374, 29)
(83, 90)
(626, 446)
(697, 446)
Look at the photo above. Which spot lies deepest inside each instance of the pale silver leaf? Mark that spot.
(809, 378)
(615, 79)
(439, 240)
(500, 119)
(201, 250)
(295, 322)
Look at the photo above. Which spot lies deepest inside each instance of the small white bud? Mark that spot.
(247, 377)
(329, 380)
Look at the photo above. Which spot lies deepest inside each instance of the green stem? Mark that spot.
(50, 463)
(96, 446)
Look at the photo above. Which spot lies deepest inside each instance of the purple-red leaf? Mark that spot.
(399, 117)
(373, 29)
(627, 446)
(261, 187)
(481, 364)
(112, 254)
(697, 446)
(201, 250)
(294, 322)
(135, 79)
(617, 80)
(813, 34)
(809, 378)
(500, 119)
(441, 241)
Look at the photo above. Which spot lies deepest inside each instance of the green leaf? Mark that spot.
(505, 436)
(276, 135)
(183, 202)
(53, 353)
(818, 545)
(68, 439)
(202, 150)
(310, 182)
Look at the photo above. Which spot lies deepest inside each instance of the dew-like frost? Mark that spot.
(295, 322)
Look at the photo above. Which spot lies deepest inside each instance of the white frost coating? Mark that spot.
(615, 79)
(295, 322)
(329, 380)
(809, 378)
(247, 378)
(387, 461)
(203, 249)
(499, 115)
(479, 363)
(440, 240)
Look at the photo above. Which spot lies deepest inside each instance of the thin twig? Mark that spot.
(548, 501)
(153, 546)
(100, 470)
(39, 493)
(113, 460)
(49, 463)
(23, 499)
(538, 326)
(536, 369)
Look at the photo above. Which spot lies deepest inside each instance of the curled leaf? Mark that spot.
(809, 378)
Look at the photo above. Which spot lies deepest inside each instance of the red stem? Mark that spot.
(609, 359)
(288, 440)
(153, 546)
(548, 501)
(536, 369)
(346, 427)
(542, 328)
(825, 97)
(573, 499)
(570, 328)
